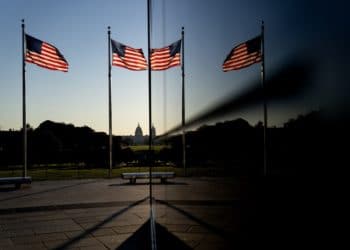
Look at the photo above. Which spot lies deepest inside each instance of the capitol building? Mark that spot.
(139, 138)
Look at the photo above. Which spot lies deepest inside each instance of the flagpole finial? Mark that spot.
(22, 22)
(109, 29)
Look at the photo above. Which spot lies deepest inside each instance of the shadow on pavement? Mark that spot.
(218, 231)
(97, 226)
(44, 191)
(140, 240)
(7, 189)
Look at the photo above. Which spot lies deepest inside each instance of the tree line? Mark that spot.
(235, 146)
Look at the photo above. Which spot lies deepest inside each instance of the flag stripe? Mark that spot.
(242, 59)
(133, 65)
(167, 60)
(238, 62)
(37, 60)
(128, 57)
(167, 63)
(243, 55)
(44, 58)
(241, 65)
(130, 60)
(162, 59)
(44, 65)
(44, 55)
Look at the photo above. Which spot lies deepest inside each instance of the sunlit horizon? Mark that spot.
(79, 30)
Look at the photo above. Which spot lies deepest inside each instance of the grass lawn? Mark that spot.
(81, 173)
(156, 148)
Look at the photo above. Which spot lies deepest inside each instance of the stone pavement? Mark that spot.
(105, 213)
(92, 228)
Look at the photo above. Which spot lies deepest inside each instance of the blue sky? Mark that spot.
(79, 29)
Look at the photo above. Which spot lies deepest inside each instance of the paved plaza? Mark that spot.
(191, 213)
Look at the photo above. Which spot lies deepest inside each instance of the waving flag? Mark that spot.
(243, 55)
(44, 55)
(128, 57)
(165, 58)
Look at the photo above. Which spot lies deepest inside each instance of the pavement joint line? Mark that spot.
(138, 216)
(103, 244)
(92, 229)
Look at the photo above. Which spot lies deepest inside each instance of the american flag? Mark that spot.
(44, 55)
(243, 55)
(127, 57)
(167, 57)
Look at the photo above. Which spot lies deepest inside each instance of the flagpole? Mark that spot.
(264, 95)
(110, 103)
(164, 75)
(183, 101)
(149, 98)
(24, 103)
(150, 156)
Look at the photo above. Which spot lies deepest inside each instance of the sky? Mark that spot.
(293, 28)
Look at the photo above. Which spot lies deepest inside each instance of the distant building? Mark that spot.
(138, 139)
(153, 131)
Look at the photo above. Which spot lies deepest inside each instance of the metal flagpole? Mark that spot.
(149, 98)
(24, 103)
(183, 101)
(110, 104)
(150, 159)
(164, 75)
(264, 95)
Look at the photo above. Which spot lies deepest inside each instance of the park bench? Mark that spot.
(17, 181)
(163, 176)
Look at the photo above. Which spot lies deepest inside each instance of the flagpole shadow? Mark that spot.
(229, 237)
(97, 226)
(140, 240)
